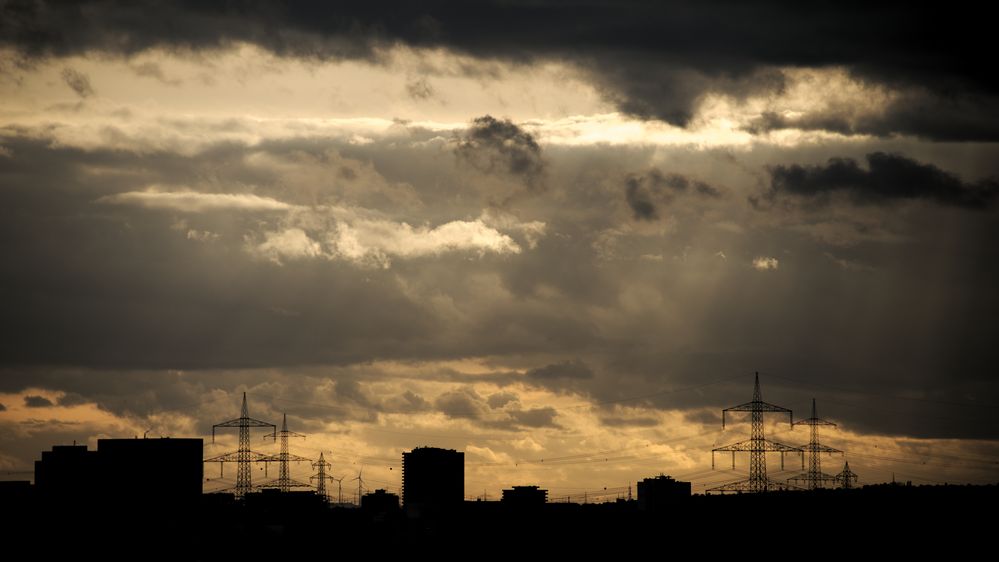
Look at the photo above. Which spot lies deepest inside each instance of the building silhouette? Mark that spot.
(525, 496)
(170, 470)
(433, 481)
(174, 467)
(379, 502)
(67, 472)
(661, 492)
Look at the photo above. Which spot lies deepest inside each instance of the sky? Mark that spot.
(558, 237)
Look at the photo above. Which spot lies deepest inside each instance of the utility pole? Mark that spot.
(814, 478)
(757, 446)
(284, 481)
(243, 456)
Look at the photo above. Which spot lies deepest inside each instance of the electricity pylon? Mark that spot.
(284, 481)
(814, 478)
(243, 456)
(757, 446)
(847, 479)
(321, 465)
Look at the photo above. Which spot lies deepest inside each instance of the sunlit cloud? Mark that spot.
(763, 263)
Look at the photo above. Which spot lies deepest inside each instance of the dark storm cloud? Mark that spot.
(640, 200)
(461, 403)
(643, 191)
(957, 117)
(115, 273)
(566, 370)
(888, 177)
(465, 403)
(500, 399)
(78, 81)
(103, 300)
(153, 70)
(535, 417)
(629, 422)
(499, 146)
(37, 402)
(651, 59)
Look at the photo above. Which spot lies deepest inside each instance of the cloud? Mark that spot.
(888, 177)
(493, 146)
(195, 202)
(78, 81)
(640, 200)
(34, 401)
(420, 89)
(535, 417)
(660, 60)
(642, 192)
(630, 421)
(763, 263)
(463, 403)
(574, 369)
(501, 399)
(557, 320)
(917, 112)
(291, 243)
(151, 69)
(365, 240)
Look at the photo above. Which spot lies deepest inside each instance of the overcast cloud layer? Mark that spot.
(423, 228)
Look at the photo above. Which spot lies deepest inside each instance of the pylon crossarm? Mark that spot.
(234, 457)
(289, 483)
(764, 445)
(818, 448)
(813, 421)
(283, 433)
(804, 476)
(280, 456)
(747, 486)
(240, 422)
(757, 407)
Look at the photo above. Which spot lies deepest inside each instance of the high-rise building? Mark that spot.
(433, 481)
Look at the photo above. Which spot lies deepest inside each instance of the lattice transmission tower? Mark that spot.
(847, 479)
(814, 478)
(321, 465)
(243, 456)
(284, 481)
(757, 446)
